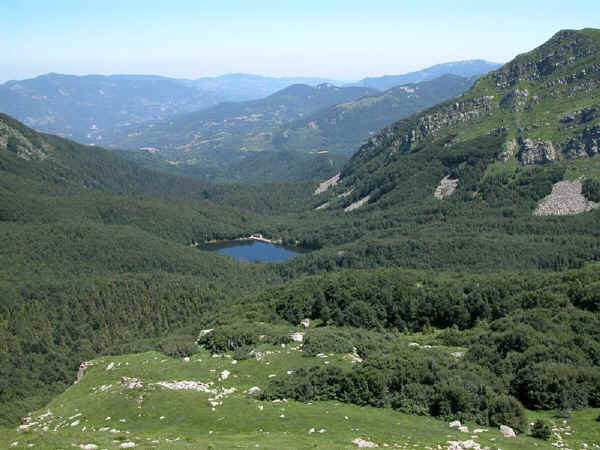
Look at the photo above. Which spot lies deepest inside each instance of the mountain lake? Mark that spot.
(253, 250)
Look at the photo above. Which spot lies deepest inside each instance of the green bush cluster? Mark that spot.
(591, 189)
(541, 429)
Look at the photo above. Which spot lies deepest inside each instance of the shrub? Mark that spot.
(228, 338)
(326, 340)
(541, 430)
(242, 353)
(178, 346)
(506, 410)
(591, 189)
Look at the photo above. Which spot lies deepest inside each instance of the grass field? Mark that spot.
(105, 411)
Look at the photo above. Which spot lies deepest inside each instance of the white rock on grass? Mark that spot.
(254, 390)
(224, 375)
(88, 446)
(128, 445)
(362, 443)
(110, 366)
(507, 431)
(305, 323)
(463, 429)
(455, 424)
(463, 445)
(297, 337)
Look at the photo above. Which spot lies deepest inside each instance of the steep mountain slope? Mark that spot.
(223, 133)
(86, 108)
(469, 68)
(342, 127)
(535, 118)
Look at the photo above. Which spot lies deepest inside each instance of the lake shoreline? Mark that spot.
(253, 249)
(254, 237)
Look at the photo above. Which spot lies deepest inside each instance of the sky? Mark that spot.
(338, 39)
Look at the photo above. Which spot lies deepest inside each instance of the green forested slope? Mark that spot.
(342, 128)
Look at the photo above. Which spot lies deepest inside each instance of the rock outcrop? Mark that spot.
(536, 152)
(518, 100)
(446, 188)
(327, 184)
(585, 145)
(357, 204)
(510, 147)
(565, 47)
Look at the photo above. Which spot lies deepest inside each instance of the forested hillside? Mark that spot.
(451, 273)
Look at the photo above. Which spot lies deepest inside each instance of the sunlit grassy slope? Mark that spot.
(102, 410)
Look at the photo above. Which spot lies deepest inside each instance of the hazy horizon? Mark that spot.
(339, 40)
(2, 81)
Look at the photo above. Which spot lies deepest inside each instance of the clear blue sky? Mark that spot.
(341, 39)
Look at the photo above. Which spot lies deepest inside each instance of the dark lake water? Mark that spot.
(255, 251)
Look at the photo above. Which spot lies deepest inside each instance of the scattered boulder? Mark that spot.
(131, 383)
(110, 366)
(88, 446)
(254, 390)
(224, 375)
(362, 443)
(305, 323)
(297, 337)
(455, 424)
(463, 429)
(204, 332)
(463, 445)
(507, 431)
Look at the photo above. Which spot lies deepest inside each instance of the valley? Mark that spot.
(439, 284)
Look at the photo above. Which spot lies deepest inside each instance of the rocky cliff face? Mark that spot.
(566, 47)
(585, 145)
(536, 152)
(17, 139)
(545, 104)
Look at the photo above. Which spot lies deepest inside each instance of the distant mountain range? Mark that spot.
(221, 134)
(318, 121)
(85, 108)
(469, 68)
(237, 87)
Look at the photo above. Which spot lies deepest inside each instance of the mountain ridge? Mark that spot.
(545, 102)
(465, 68)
